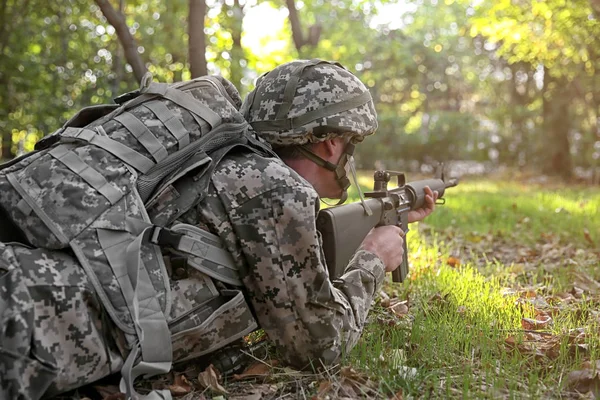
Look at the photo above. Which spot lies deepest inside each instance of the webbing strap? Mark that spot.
(170, 121)
(141, 132)
(208, 254)
(331, 109)
(27, 187)
(124, 256)
(95, 179)
(117, 149)
(316, 159)
(292, 84)
(129, 373)
(186, 101)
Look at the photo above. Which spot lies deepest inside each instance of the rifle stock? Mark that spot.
(344, 227)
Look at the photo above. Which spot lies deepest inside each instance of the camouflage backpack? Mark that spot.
(96, 202)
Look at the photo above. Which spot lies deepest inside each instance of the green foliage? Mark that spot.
(451, 79)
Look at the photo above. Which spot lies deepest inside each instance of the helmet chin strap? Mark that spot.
(340, 171)
(339, 168)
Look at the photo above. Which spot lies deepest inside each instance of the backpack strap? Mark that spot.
(72, 161)
(141, 132)
(205, 251)
(171, 122)
(154, 337)
(117, 149)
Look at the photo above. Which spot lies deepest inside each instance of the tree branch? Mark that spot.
(117, 20)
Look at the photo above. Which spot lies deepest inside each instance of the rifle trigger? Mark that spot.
(440, 202)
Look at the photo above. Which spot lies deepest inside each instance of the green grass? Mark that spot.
(522, 251)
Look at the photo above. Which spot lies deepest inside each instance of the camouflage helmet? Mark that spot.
(308, 101)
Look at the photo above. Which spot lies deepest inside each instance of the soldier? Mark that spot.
(59, 328)
(313, 113)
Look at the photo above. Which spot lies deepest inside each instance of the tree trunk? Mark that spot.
(297, 34)
(556, 126)
(519, 101)
(314, 31)
(116, 64)
(6, 132)
(117, 20)
(197, 39)
(237, 51)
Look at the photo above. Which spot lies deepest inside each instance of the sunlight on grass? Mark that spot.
(506, 207)
(497, 259)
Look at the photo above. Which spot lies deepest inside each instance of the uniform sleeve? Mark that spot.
(306, 315)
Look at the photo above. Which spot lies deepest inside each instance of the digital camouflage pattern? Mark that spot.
(55, 332)
(96, 294)
(265, 214)
(310, 101)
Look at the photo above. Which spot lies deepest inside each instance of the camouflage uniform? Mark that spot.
(265, 213)
(56, 333)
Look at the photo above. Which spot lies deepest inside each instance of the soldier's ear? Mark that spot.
(329, 147)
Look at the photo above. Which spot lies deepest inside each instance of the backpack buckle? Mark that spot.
(165, 237)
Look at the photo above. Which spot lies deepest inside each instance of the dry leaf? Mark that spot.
(400, 308)
(209, 379)
(110, 392)
(586, 379)
(324, 388)
(534, 324)
(453, 262)
(181, 386)
(255, 392)
(255, 370)
(528, 294)
(115, 396)
(398, 396)
(588, 237)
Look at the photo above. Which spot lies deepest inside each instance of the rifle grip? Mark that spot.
(399, 274)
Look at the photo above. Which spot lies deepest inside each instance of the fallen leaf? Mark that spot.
(324, 387)
(586, 379)
(535, 324)
(588, 237)
(255, 370)
(115, 396)
(181, 386)
(110, 392)
(256, 392)
(453, 262)
(400, 308)
(209, 379)
(398, 396)
(528, 293)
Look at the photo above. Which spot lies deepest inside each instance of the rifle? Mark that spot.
(344, 227)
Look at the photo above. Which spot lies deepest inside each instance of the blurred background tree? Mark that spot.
(498, 82)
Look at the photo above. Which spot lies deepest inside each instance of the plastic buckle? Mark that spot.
(165, 237)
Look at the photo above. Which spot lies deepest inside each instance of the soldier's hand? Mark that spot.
(386, 242)
(428, 207)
